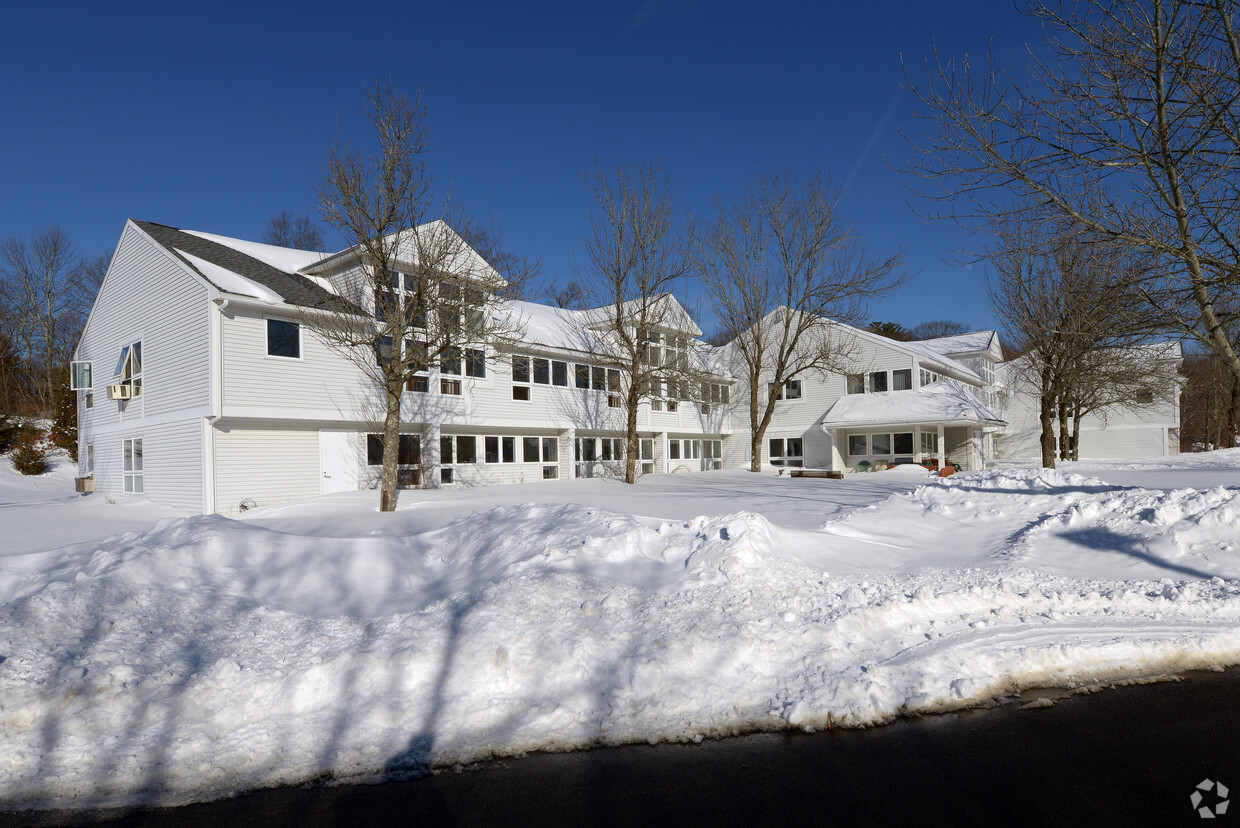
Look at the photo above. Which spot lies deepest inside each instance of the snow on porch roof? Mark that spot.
(945, 401)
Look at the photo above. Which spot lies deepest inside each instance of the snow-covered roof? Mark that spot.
(960, 344)
(553, 327)
(281, 258)
(232, 267)
(945, 401)
(231, 282)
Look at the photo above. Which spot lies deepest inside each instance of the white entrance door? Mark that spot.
(338, 460)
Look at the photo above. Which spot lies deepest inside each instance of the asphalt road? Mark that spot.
(1131, 755)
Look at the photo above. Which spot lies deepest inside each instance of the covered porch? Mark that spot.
(940, 424)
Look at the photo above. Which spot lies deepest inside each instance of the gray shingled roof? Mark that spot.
(293, 288)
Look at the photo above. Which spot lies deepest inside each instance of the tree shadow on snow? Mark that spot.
(1106, 540)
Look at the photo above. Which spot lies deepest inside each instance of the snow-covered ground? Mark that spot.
(151, 657)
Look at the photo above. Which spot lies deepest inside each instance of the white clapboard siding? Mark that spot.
(149, 296)
(266, 465)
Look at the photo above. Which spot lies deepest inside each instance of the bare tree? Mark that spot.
(1065, 297)
(422, 287)
(1129, 129)
(300, 233)
(571, 296)
(46, 292)
(780, 267)
(936, 329)
(633, 264)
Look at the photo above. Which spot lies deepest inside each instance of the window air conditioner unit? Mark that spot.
(120, 392)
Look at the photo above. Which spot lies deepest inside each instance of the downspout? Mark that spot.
(217, 405)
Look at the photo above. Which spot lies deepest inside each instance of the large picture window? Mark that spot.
(408, 458)
(786, 452)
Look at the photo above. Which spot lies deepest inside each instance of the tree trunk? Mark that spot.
(1076, 434)
(630, 453)
(391, 448)
(1065, 452)
(1046, 414)
(755, 432)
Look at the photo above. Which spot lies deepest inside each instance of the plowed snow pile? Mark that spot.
(206, 655)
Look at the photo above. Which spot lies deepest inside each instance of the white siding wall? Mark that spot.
(147, 295)
(269, 464)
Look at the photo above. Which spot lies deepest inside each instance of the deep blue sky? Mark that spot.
(216, 116)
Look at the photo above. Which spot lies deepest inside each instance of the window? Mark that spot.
(720, 393)
(878, 381)
(1145, 396)
(880, 443)
(450, 361)
(129, 367)
(790, 391)
(542, 371)
(133, 466)
(475, 363)
(551, 472)
(611, 448)
(598, 377)
(450, 386)
(903, 443)
(283, 339)
(902, 380)
(613, 380)
(520, 369)
(613, 401)
(928, 377)
(858, 445)
(856, 384)
(418, 384)
(466, 450)
(645, 453)
(784, 452)
(90, 459)
(559, 373)
(656, 404)
(80, 376)
(408, 452)
(540, 449)
(929, 443)
(530, 450)
(499, 449)
(90, 400)
(673, 449)
(583, 376)
(521, 392)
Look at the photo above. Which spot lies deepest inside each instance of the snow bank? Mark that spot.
(206, 655)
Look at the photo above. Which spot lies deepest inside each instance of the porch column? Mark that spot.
(917, 458)
(571, 452)
(942, 448)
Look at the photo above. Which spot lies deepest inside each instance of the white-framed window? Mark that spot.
(645, 453)
(129, 367)
(540, 449)
(902, 444)
(902, 379)
(1145, 396)
(459, 450)
(928, 377)
(880, 444)
(131, 451)
(283, 338)
(673, 449)
(929, 443)
(90, 459)
(499, 449)
(559, 373)
(408, 458)
(450, 387)
(475, 363)
(520, 378)
(856, 384)
(878, 381)
(542, 371)
(790, 391)
(858, 445)
(90, 399)
(786, 451)
(81, 376)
